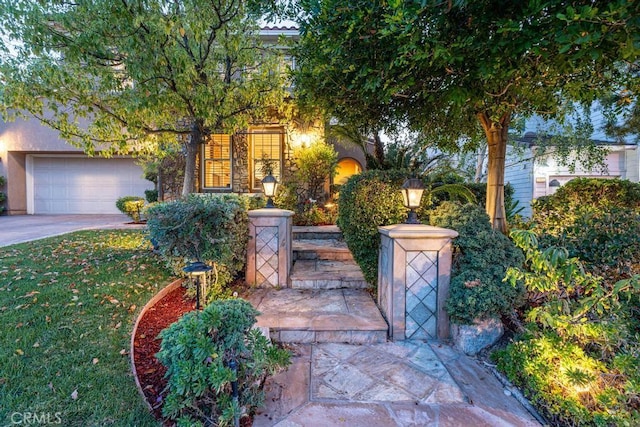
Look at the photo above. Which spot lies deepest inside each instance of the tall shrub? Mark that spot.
(367, 201)
(209, 228)
(481, 258)
(373, 199)
(597, 220)
(199, 351)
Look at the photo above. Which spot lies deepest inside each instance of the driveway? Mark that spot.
(23, 228)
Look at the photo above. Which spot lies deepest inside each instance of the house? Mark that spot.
(533, 177)
(46, 175)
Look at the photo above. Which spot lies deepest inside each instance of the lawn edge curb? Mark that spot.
(153, 301)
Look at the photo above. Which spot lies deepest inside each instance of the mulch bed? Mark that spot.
(146, 344)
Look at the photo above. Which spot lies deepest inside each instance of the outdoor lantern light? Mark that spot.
(412, 190)
(269, 185)
(195, 270)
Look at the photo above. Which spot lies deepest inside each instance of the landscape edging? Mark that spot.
(157, 297)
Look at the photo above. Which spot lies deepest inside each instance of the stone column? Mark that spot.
(413, 280)
(269, 252)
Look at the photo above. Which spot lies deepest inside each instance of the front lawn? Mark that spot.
(67, 307)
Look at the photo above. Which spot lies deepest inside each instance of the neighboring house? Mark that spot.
(46, 175)
(535, 177)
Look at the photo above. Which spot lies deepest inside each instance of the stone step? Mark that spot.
(325, 249)
(310, 316)
(327, 274)
(322, 232)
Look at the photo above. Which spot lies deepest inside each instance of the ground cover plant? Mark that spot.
(204, 352)
(67, 307)
(577, 358)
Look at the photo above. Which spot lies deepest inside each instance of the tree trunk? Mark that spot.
(191, 147)
(497, 134)
(378, 150)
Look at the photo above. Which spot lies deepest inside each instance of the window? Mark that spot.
(217, 162)
(266, 143)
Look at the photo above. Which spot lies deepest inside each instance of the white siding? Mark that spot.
(519, 173)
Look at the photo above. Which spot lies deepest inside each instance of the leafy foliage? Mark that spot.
(369, 200)
(578, 357)
(210, 228)
(131, 76)
(198, 351)
(597, 220)
(151, 195)
(372, 199)
(450, 68)
(481, 258)
(131, 206)
(303, 190)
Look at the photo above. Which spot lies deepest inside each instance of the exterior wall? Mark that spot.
(16, 202)
(531, 180)
(632, 164)
(17, 139)
(519, 173)
(240, 163)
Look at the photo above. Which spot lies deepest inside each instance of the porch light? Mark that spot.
(269, 185)
(412, 190)
(196, 270)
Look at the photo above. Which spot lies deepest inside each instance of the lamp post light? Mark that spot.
(196, 270)
(412, 190)
(269, 185)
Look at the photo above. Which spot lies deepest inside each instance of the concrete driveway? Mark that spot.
(23, 228)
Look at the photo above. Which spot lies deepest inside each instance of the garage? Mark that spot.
(82, 185)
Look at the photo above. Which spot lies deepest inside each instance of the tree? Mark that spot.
(125, 76)
(448, 68)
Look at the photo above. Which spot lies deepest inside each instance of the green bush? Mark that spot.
(481, 258)
(578, 359)
(206, 227)
(198, 351)
(597, 220)
(303, 187)
(131, 206)
(151, 195)
(369, 200)
(372, 199)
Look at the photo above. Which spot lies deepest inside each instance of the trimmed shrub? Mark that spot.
(481, 258)
(372, 199)
(206, 227)
(369, 200)
(151, 195)
(597, 221)
(131, 206)
(199, 351)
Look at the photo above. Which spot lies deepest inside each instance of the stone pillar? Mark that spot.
(413, 280)
(269, 252)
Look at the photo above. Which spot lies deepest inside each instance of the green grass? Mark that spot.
(67, 308)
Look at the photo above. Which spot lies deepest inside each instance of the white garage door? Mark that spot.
(80, 185)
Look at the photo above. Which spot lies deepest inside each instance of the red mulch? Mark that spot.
(146, 344)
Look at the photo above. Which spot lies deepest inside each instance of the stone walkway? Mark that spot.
(389, 384)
